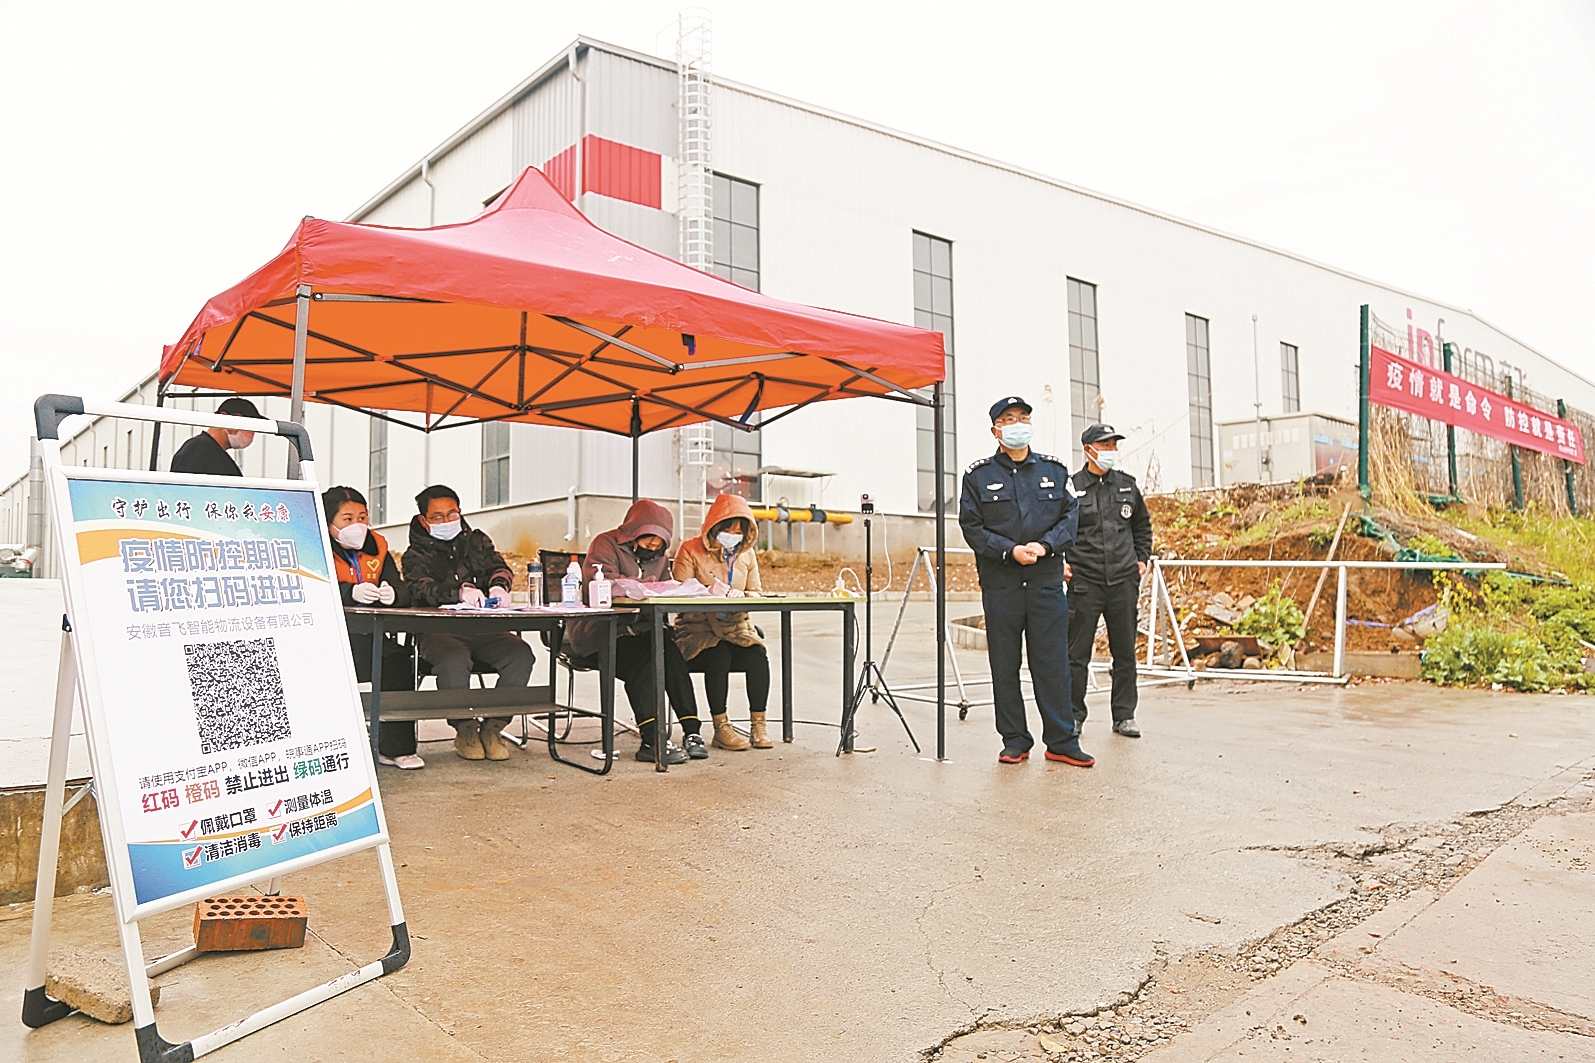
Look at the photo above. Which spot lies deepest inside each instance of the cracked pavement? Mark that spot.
(791, 905)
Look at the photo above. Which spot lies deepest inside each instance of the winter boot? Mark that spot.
(493, 739)
(468, 739)
(760, 736)
(726, 736)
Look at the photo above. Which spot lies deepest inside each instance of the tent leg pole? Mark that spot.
(636, 436)
(941, 586)
(155, 430)
(296, 395)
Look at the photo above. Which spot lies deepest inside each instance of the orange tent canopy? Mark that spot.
(529, 312)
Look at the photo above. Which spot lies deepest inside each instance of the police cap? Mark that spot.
(1006, 404)
(1098, 433)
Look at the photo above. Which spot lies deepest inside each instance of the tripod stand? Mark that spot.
(870, 679)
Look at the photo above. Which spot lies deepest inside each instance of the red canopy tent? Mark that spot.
(529, 312)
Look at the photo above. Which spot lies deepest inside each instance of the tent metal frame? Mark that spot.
(574, 362)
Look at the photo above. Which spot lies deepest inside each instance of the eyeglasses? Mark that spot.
(1016, 418)
(452, 514)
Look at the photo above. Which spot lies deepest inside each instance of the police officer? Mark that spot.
(1018, 514)
(1104, 566)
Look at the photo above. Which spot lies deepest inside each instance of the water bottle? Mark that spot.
(534, 583)
(570, 588)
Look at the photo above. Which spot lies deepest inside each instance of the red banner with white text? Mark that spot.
(1406, 385)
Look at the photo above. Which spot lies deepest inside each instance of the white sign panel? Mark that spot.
(229, 735)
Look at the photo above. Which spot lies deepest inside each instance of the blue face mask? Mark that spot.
(1016, 436)
(445, 529)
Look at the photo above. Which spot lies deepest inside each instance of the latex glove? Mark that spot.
(499, 596)
(385, 593)
(720, 589)
(365, 593)
(469, 595)
(734, 593)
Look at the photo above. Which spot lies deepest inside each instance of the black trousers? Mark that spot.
(634, 666)
(1116, 604)
(723, 658)
(1037, 612)
(397, 737)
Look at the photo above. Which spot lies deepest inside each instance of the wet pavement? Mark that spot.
(792, 905)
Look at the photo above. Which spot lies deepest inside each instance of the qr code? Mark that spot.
(238, 699)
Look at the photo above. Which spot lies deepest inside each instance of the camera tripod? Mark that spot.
(871, 681)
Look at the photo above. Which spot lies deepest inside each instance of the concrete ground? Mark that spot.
(791, 905)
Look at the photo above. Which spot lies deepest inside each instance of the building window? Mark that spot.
(495, 463)
(1199, 377)
(377, 473)
(736, 230)
(737, 457)
(933, 309)
(1290, 376)
(1085, 366)
(737, 454)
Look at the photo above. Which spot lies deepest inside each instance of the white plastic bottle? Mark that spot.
(570, 587)
(598, 595)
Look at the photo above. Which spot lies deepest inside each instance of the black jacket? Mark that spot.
(435, 569)
(203, 455)
(1115, 528)
(1004, 504)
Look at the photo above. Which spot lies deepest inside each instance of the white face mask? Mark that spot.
(729, 539)
(1108, 460)
(1016, 436)
(239, 440)
(445, 529)
(352, 536)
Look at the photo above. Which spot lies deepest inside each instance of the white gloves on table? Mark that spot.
(471, 596)
(367, 593)
(499, 595)
(385, 593)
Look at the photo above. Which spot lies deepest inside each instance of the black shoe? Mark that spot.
(673, 754)
(1127, 728)
(1072, 754)
(695, 747)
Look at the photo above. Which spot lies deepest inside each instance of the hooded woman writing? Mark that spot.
(639, 550)
(722, 642)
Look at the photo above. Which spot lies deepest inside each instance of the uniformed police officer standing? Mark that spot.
(1018, 514)
(1104, 566)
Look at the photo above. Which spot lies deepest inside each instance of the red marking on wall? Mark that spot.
(611, 169)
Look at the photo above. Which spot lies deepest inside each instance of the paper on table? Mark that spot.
(638, 591)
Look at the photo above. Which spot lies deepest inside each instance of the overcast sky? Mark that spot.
(155, 153)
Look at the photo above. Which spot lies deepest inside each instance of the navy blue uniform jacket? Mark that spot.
(1004, 504)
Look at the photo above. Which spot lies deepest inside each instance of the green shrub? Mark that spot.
(1513, 632)
(1273, 618)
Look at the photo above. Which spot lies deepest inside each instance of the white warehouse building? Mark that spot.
(1092, 308)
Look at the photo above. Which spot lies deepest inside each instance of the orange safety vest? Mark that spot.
(370, 564)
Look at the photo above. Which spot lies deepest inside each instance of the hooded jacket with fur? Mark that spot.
(705, 560)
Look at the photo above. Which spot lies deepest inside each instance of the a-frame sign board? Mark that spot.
(204, 638)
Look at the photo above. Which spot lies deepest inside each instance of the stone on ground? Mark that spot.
(93, 983)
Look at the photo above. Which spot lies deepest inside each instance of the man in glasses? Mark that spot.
(1017, 512)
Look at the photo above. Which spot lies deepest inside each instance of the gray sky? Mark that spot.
(156, 153)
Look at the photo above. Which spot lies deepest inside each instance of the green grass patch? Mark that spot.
(1512, 633)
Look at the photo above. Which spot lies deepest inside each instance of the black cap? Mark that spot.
(1098, 433)
(1006, 404)
(238, 407)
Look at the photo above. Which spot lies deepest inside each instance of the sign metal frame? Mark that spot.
(78, 676)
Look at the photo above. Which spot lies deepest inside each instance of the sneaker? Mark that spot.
(1013, 756)
(1072, 754)
(695, 748)
(408, 762)
(674, 754)
(1127, 728)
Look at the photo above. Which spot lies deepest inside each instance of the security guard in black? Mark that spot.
(1104, 567)
(1018, 516)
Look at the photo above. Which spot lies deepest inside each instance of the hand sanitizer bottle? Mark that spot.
(598, 596)
(571, 586)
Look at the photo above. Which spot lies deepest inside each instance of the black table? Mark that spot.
(658, 609)
(446, 704)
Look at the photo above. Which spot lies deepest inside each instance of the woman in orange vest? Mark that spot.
(367, 577)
